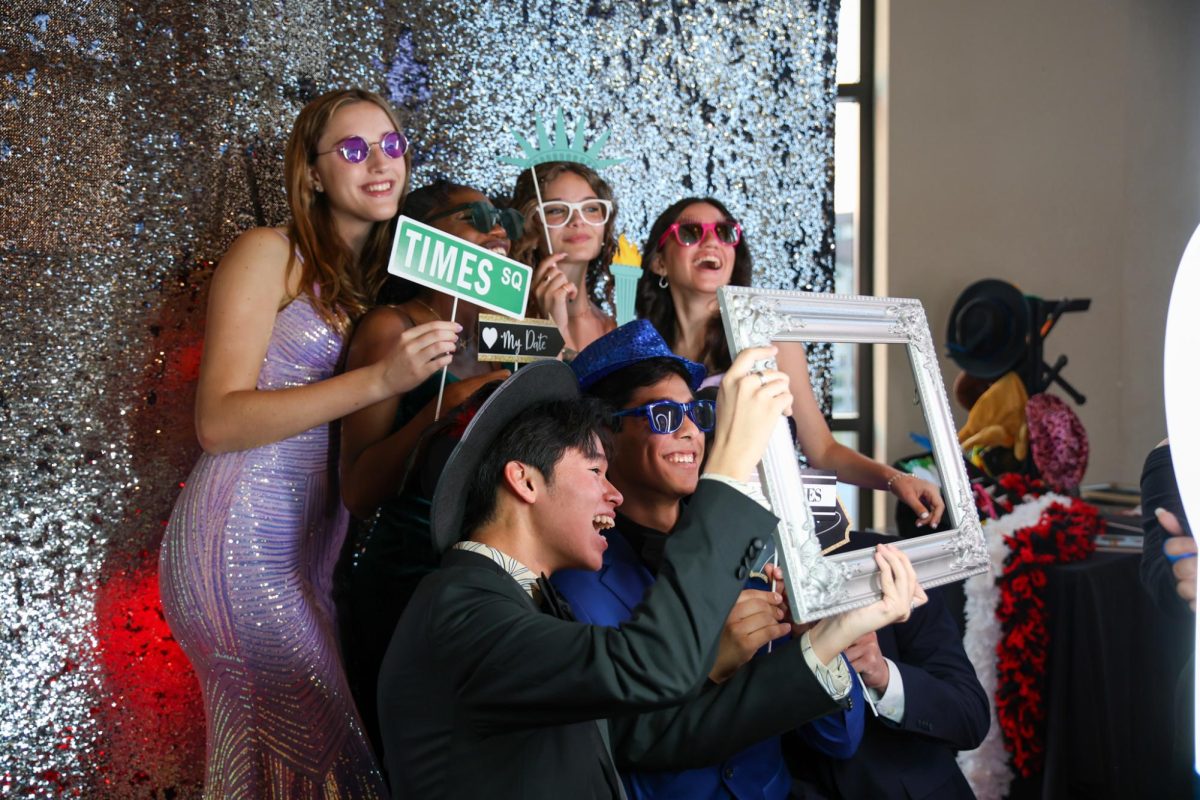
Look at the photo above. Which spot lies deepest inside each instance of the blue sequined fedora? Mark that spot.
(632, 342)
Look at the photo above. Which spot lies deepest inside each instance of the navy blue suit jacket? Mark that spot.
(758, 772)
(945, 710)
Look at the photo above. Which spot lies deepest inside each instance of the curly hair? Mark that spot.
(530, 249)
(654, 302)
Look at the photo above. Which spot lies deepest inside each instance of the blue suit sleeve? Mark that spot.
(838, 735)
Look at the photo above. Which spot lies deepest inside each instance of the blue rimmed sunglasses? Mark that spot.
(665, 416)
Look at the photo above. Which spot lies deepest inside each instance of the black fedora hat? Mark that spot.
(988, 334)
(539, 382)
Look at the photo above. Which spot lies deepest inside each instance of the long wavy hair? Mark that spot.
(528, 249)
(654, 303)
(345, 286)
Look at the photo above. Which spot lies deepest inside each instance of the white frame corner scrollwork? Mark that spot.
(821, 585)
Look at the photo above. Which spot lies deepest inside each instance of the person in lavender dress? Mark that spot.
(247, 558)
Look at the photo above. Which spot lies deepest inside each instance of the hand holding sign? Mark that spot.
(431, 257)
(756, 619)
(419, 352)
(553, 290)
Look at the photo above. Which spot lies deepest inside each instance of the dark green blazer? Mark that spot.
(482, 695)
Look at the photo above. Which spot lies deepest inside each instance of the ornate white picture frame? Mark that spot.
(823, 585)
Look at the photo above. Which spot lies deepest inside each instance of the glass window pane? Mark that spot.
(845, 196)
(845, 274)
(849, 68)
(845, 380)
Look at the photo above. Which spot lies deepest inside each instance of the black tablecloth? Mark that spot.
(1112, 671)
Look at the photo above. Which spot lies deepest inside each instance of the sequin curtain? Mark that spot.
(136, 139)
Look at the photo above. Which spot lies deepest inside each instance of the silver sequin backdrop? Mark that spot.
(137, 138)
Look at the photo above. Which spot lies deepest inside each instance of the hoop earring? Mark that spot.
(662, 282)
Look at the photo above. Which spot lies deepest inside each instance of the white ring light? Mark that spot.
(1181, 382)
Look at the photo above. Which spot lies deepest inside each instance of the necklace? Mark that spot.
(463, 340)
(428, 308)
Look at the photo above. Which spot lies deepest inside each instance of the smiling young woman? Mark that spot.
(694, 248)
(579, 212)
(248, 554)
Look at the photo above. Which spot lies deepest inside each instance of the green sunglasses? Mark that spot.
(485, 216)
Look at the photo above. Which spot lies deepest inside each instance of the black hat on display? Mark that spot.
(988, 333)
(539, 382)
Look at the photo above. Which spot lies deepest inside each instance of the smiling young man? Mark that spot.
(659, 432)
(485, 694)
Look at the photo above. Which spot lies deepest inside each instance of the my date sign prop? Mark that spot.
(519, 342)
(454, 266)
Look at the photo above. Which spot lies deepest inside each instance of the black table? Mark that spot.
(1111, 679)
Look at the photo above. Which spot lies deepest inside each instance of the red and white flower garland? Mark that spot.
(1006, 637)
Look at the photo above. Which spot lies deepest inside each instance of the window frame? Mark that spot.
(862, 93)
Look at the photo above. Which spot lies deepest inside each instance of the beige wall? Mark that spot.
(1055, 144)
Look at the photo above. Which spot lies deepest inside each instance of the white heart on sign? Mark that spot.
(489, 336)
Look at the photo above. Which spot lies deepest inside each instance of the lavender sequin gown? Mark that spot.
(245, 574)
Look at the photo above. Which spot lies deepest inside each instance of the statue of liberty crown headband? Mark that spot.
(627, 268)
(561, 149)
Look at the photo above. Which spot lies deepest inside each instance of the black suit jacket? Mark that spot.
(1160, 490)
(481, 695)
(945, 710)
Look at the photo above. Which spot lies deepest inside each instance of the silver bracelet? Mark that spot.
(897, 477)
